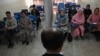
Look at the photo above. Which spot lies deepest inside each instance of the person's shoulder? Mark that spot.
(36, 9)
(58, 15)
(85, 9)
(90, 9)
(13, 18)
(66, 14)
(28, 18)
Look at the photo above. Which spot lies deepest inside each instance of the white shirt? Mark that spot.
(11, 23)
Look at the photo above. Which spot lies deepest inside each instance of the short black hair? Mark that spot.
(24, 12)
(8, 12)
(88, 5)
(34, 5)
(96, 9)
(52, 38)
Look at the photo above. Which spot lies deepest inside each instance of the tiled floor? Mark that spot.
(76, 48)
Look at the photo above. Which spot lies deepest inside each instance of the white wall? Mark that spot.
(11, 5)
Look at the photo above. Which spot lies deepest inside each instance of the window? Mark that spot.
(38, 2)
(29, 3)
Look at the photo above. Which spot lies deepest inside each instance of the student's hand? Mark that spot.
(29, 27)
(7, 28)
(38, 17)
(90, 22)
(99, 23)
(63, 24)
(78, 23)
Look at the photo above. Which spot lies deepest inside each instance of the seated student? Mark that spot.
(10, 25)
(62, 20)
(87, 13)
(78, 19)
(52, 40)
(72, 12)
(94, 19)
(26, 25)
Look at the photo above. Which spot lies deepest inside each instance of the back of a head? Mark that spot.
(52, 38)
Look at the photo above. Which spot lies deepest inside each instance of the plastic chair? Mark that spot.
(61, 5)
(91, 27)
(40, 8)
(33, 19)
(17, 16)
(68, 4)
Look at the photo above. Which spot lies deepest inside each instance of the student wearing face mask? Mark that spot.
(87, 13)
(72, 12)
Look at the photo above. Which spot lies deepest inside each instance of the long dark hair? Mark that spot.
(96, 9)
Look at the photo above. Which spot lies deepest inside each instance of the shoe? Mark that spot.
(76, 38)
(23, 42)
(0, 41)
(82, 37)
(98, 38)
(10, 45)
(27, 42)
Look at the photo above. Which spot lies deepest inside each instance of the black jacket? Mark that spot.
(71, 13)
(36, 13)
(87, 13)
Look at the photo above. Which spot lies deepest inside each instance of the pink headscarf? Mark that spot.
(78, 18)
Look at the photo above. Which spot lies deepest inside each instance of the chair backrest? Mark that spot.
(17, 16)
(2, 24)
(40, 8)
(68, 4)
(77, 7)
(61, 5)
(73, 4)
(32, 17)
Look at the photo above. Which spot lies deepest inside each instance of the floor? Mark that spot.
(76, 48)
